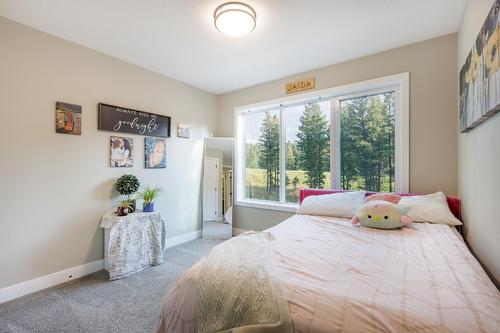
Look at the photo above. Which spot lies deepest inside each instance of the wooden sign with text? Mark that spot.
(294, 87)
(118, 119)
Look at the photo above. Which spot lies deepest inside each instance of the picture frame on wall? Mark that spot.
(480, 75)
(155, 154)
(68, 118)
(119, 119)
(183, 131)
(121, 152)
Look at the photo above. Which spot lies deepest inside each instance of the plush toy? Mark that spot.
(381, 215)
(390, 197)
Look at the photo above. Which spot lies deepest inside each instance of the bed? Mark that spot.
(341, 278)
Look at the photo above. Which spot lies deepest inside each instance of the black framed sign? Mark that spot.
(123, 120)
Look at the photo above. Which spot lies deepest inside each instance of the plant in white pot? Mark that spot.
(149, 195)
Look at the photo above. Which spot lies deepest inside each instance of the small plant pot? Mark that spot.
(148, 207)
(122, 211)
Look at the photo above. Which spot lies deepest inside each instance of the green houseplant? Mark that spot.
(149, 194)
(128, 185)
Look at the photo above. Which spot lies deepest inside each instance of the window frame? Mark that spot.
(399, 83)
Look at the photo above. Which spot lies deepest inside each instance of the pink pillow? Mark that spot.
(389, 197)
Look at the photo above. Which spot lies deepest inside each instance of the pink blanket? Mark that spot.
(341, 278)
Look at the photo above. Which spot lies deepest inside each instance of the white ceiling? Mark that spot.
(177, 38)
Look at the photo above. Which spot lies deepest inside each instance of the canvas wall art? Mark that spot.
(155, 156)
(68, 118)
(124, 120)
(121, 152)
(183, 131)
(480, 75)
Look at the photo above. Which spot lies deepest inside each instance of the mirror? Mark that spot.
(218, 188)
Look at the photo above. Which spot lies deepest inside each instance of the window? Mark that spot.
(352, 137)
(262, 156)
(307, 147)
(367, 153)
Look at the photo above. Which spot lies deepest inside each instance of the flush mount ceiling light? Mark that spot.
(234, 18)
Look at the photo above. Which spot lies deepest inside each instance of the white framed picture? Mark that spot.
(183, 131)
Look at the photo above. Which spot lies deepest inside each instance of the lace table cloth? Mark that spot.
(132, 243)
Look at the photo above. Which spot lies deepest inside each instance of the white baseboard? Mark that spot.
(183, 238)
(237, 231)
(50, 280)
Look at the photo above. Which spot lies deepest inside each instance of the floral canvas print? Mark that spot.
(121, 152)
(155, 156)
(68, 118)
(480, 75)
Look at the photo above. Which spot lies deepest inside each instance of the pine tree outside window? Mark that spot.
(307, 148)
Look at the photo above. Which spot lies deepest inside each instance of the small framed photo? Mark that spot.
(121, 152)
(183, 131)
(68, 118)
(155, 154)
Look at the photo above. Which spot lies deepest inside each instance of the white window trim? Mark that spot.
(400, 83)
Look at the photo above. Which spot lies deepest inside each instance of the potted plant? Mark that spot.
(124, 208)
(128, 185)
(149, 194)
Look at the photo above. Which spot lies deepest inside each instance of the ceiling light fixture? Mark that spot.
(235, 18)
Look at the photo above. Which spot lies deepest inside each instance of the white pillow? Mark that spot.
(342, 204)
(429, 208)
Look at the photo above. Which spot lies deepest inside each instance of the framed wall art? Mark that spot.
(68, 118)
(123, 120)
(155, 154)
(480, 75)
(183, 131)
(121, 152)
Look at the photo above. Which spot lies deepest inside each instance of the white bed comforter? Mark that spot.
(341, 278)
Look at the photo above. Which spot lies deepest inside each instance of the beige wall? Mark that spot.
(479, 161)
(433, 112)
(55, 187)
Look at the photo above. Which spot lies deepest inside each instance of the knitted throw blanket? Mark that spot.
(239, 290)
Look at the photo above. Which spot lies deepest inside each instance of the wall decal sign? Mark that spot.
(296, 86)
(68, 118)
(123, 120)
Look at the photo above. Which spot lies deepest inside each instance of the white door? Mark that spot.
(210, 189)
(228, 189)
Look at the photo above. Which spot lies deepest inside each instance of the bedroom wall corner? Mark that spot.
(479, 161)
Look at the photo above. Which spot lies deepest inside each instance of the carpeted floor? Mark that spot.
(94, 304)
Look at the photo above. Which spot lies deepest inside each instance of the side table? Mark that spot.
(132, 243)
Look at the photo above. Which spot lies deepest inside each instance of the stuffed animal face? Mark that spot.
(381, 215)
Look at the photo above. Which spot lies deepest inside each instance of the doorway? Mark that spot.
(210, 189)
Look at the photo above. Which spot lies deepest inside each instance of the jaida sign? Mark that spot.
(296, 86)
(122, 120)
